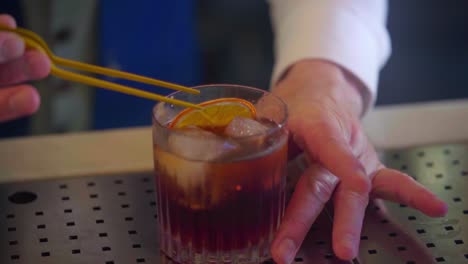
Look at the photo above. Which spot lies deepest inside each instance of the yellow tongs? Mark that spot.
(35, 41)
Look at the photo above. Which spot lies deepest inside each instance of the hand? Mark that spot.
(18, 65)
(324, 109)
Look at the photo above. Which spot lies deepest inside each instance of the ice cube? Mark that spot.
(242, 127)
(194, 143)
(181, 172)
(190, 179)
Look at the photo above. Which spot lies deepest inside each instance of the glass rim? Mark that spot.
(279, 126)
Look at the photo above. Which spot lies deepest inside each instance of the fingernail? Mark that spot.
(19, 101)
(11, 48)
(287, 250)
(443, 206)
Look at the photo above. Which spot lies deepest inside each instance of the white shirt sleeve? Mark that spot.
(350, 33)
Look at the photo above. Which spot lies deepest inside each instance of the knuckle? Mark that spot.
(360, 185)
(322, 186)
(297, 223)
(361, 198)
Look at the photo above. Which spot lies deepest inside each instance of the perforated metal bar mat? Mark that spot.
(395, 233)
(112, 219)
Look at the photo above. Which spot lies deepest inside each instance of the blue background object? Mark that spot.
(148, 37)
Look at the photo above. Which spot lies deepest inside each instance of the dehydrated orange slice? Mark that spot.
(214, 113)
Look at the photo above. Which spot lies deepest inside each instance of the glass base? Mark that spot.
(179, 253)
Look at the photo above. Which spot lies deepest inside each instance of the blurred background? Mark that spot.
(215, 41)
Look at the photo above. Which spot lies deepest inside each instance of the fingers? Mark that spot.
(33, 65)
(325, 143)
(349, 211)
(11, 46)
(7, 20)
(398, 187)
(18, 101)
(330, 148)
(313, 190)
(14, 67)
(17, 66)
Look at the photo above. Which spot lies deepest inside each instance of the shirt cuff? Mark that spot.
(308, 31)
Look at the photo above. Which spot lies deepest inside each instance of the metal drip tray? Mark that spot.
(395, 233)
(112, 220)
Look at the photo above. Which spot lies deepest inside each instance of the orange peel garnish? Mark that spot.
(214, 113)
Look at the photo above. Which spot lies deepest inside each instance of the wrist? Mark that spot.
(324, 80)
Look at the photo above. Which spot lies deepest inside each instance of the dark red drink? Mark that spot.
(220, 207)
